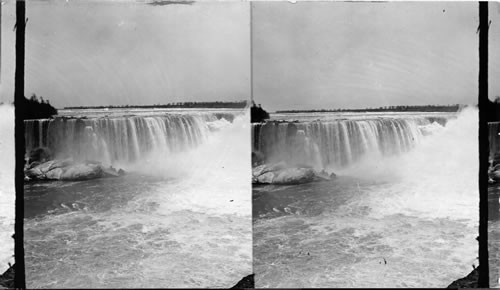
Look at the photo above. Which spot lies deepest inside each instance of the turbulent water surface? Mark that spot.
(180, 217)
(493, 211)
(494, 234)
(402, 213)
(7, 191)
(494, 252)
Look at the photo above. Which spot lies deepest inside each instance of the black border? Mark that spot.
(19, 278)
(483, 280)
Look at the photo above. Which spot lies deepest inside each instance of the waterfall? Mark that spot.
(118, 139)
(494, 138)
(338, 143)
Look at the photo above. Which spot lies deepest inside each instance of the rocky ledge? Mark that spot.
(67, 169)
(280, 173)
(40, 164)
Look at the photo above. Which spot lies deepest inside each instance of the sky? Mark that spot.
(124, 52)
(305, 55)
(494, 50)
(326, 55)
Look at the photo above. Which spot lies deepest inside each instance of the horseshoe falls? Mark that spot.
(179, 217)
(339, 143)
(401, 212)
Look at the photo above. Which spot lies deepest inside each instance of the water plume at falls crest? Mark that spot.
(437, 178)
(215, 173)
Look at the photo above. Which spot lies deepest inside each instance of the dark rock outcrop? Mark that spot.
(245, 283)
(470, 281)
(494, 176)
(7, 278)
(494, 169)
(258, 158)
(40, 154)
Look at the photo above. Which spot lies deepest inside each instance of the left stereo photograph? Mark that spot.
(7, 151)
(7, 145)
(137, 144)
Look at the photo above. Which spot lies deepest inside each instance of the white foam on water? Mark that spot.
(212, 178)
(437, 179)
(7, 190)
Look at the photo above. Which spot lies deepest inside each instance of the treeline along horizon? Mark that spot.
(423, 108)
(194, 105)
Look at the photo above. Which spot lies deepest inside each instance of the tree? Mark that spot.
(37, 109)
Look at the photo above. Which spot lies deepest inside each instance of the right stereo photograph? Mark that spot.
(493, 118)
(365, 143)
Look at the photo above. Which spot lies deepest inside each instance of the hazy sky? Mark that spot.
(306, 55)
(494, 50)
(124, 52)
(356, 55)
